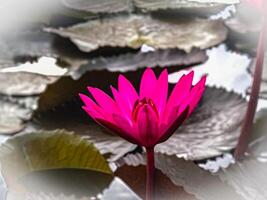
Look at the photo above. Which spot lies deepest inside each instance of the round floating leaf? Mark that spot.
(214, 127)
(136, 30)
(100, 6)
(24, 83)
(13, 116)
(46, 150)
(152, 5)
(195, 181)
(114, 6)
(164, 188)
(92, 187)
(130, 62)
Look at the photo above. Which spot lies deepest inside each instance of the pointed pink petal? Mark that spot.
(147, 126)
(103, 100)
(161, 92)
(127, 91)
(196, 94)
(118, 130)
(91, 107)
(148, 83)
(121, 102)
(180, 91)
(169, 129)
(193, 97)
(86, 100)
(92, 112)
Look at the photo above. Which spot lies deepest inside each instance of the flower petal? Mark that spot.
(127, 91)
(196, 94)
(168, 129)
(118, 130)
(147, 126)
(94, 113)
(161, 92)
(122, 104)
(103, 100)
(180, 91)
(148, 84)
(91, 107)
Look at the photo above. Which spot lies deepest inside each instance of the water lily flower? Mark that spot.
(148, 117)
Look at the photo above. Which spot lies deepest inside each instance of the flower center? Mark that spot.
(140, 104)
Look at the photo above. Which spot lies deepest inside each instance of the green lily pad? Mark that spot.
(44, 150)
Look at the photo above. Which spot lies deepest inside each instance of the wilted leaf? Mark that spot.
(129, 62)
(135, 30)
(214, 127)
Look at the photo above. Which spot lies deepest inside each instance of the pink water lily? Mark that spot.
(147, 118)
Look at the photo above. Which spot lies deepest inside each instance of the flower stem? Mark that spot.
(253, 101)
(150, 168)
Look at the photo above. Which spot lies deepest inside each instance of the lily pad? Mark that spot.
(195, 181)
(13, 116)
(164, 187)
(102, 6)
(114, 6)
(152, 5)
(33, 152)
(214, 127)
(24, 83)
(129, 62)
(108, 189)
(136, 30)
(26, 44)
